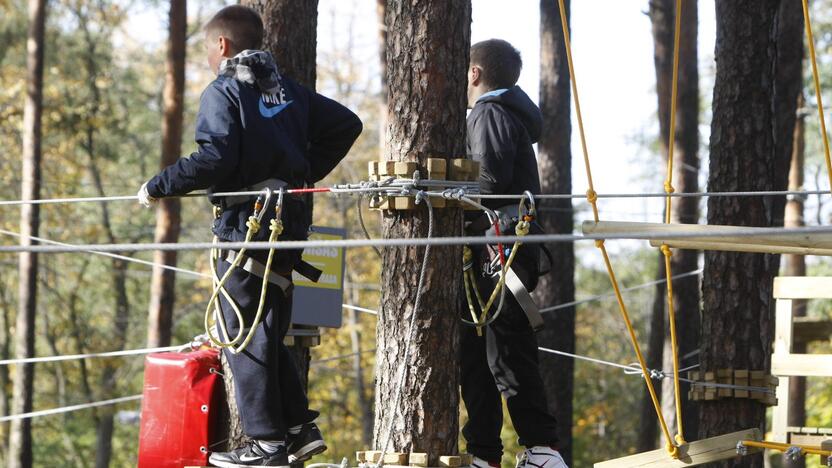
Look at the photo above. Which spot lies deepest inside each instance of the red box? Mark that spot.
(179, 408)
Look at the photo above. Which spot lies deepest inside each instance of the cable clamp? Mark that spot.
(742, 449)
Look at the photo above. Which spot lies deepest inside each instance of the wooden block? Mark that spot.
(725, 376)
(741, 378)
(438, 202)
(710, 376)
(403, 203)
(405, 169)
(372, 456)
(825, 445)
(467, 459)
(361, 456)
(418, 459)
(457, 170)
(695, 453)
(289, 340)
(693, 375)
(450, 461)
(372, 168)
(437, 168)
(395, 458)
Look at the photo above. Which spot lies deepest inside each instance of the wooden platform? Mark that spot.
(692, 454)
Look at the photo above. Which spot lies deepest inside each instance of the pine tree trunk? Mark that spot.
(20, 443)
(796, 266)
(291, 36)
(754, 101)
(168, 219)
(684, 210)
(556, 217)
(427, 58)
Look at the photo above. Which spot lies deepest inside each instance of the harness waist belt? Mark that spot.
(521, 294)
(273, 184)
(258, 269)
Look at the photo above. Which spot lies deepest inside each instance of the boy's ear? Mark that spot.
(476, 75)
(224, 45)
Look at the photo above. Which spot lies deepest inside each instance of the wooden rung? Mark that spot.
(450, 461)
(692, 454)
(802, 287)
(801, 365)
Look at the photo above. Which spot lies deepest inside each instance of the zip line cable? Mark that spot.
(408, 242)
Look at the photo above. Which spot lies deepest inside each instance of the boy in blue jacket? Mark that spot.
(259, 130)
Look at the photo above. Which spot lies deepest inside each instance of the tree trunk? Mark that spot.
(683, 210)
(796, 266)
(427, 58)
(556, 217)
(20, 443)
(291, 36)
(381, 9)
(162, 284)
(754, 101)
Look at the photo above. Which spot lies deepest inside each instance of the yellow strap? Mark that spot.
(816, 76)
(781, 447)
(668, 188)
(592, 198)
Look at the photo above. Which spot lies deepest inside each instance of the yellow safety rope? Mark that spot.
(668, 188)
(253, 225)
(816, 76)
(592, 198)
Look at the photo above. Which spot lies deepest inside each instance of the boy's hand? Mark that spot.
(144, 197)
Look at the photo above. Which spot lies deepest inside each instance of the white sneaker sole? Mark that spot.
(221, 464)
(308, 451)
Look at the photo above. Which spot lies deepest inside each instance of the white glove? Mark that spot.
(144, 197)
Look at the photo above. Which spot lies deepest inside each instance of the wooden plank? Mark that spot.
(695, 453)
(802, 287)
(780, 413)
(801, 365)
(708, 244)
(808, 439)
(395, 458)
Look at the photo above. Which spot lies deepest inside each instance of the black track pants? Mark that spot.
(268, 389)
(502, 361)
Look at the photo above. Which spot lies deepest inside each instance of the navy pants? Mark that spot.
(502, 361)
(268, 388)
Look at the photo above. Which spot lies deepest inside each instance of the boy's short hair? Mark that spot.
(500, 63)
(239, 24)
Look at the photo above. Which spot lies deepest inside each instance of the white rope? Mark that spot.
(358, 189)
(112, 255)
(72, 357)
(409, 242)
(610, 295)
(359, 309)
(67, 409)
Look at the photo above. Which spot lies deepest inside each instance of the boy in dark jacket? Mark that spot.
(502, 126)
(258, 130)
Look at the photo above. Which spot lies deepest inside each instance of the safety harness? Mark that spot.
(500, 268)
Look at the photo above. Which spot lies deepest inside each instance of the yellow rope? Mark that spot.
(592, 198)
(668, 188)
(811, 40)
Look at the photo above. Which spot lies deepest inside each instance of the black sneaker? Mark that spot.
(306, 443)
(249, 455)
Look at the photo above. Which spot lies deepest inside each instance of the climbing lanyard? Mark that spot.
(526, 213)
(253, 224)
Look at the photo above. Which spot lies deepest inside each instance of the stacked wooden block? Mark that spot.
(700, 390)
(462, 170)
(394, 459)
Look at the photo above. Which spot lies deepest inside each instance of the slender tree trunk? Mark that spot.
(755, 95)
(555, 216)
(796, 266)
(20, 443)
(5, 348)
(427, 58)
(684, 210)
(168, 219)
(381, 9)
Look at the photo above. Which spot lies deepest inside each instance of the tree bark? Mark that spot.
(427, 58)
(20, 443)
(168, 218)
(796, 266)
(754, 101)
(556, 217)
(684, 210)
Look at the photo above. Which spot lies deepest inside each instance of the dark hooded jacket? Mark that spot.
(254, 124)
(502, 127)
